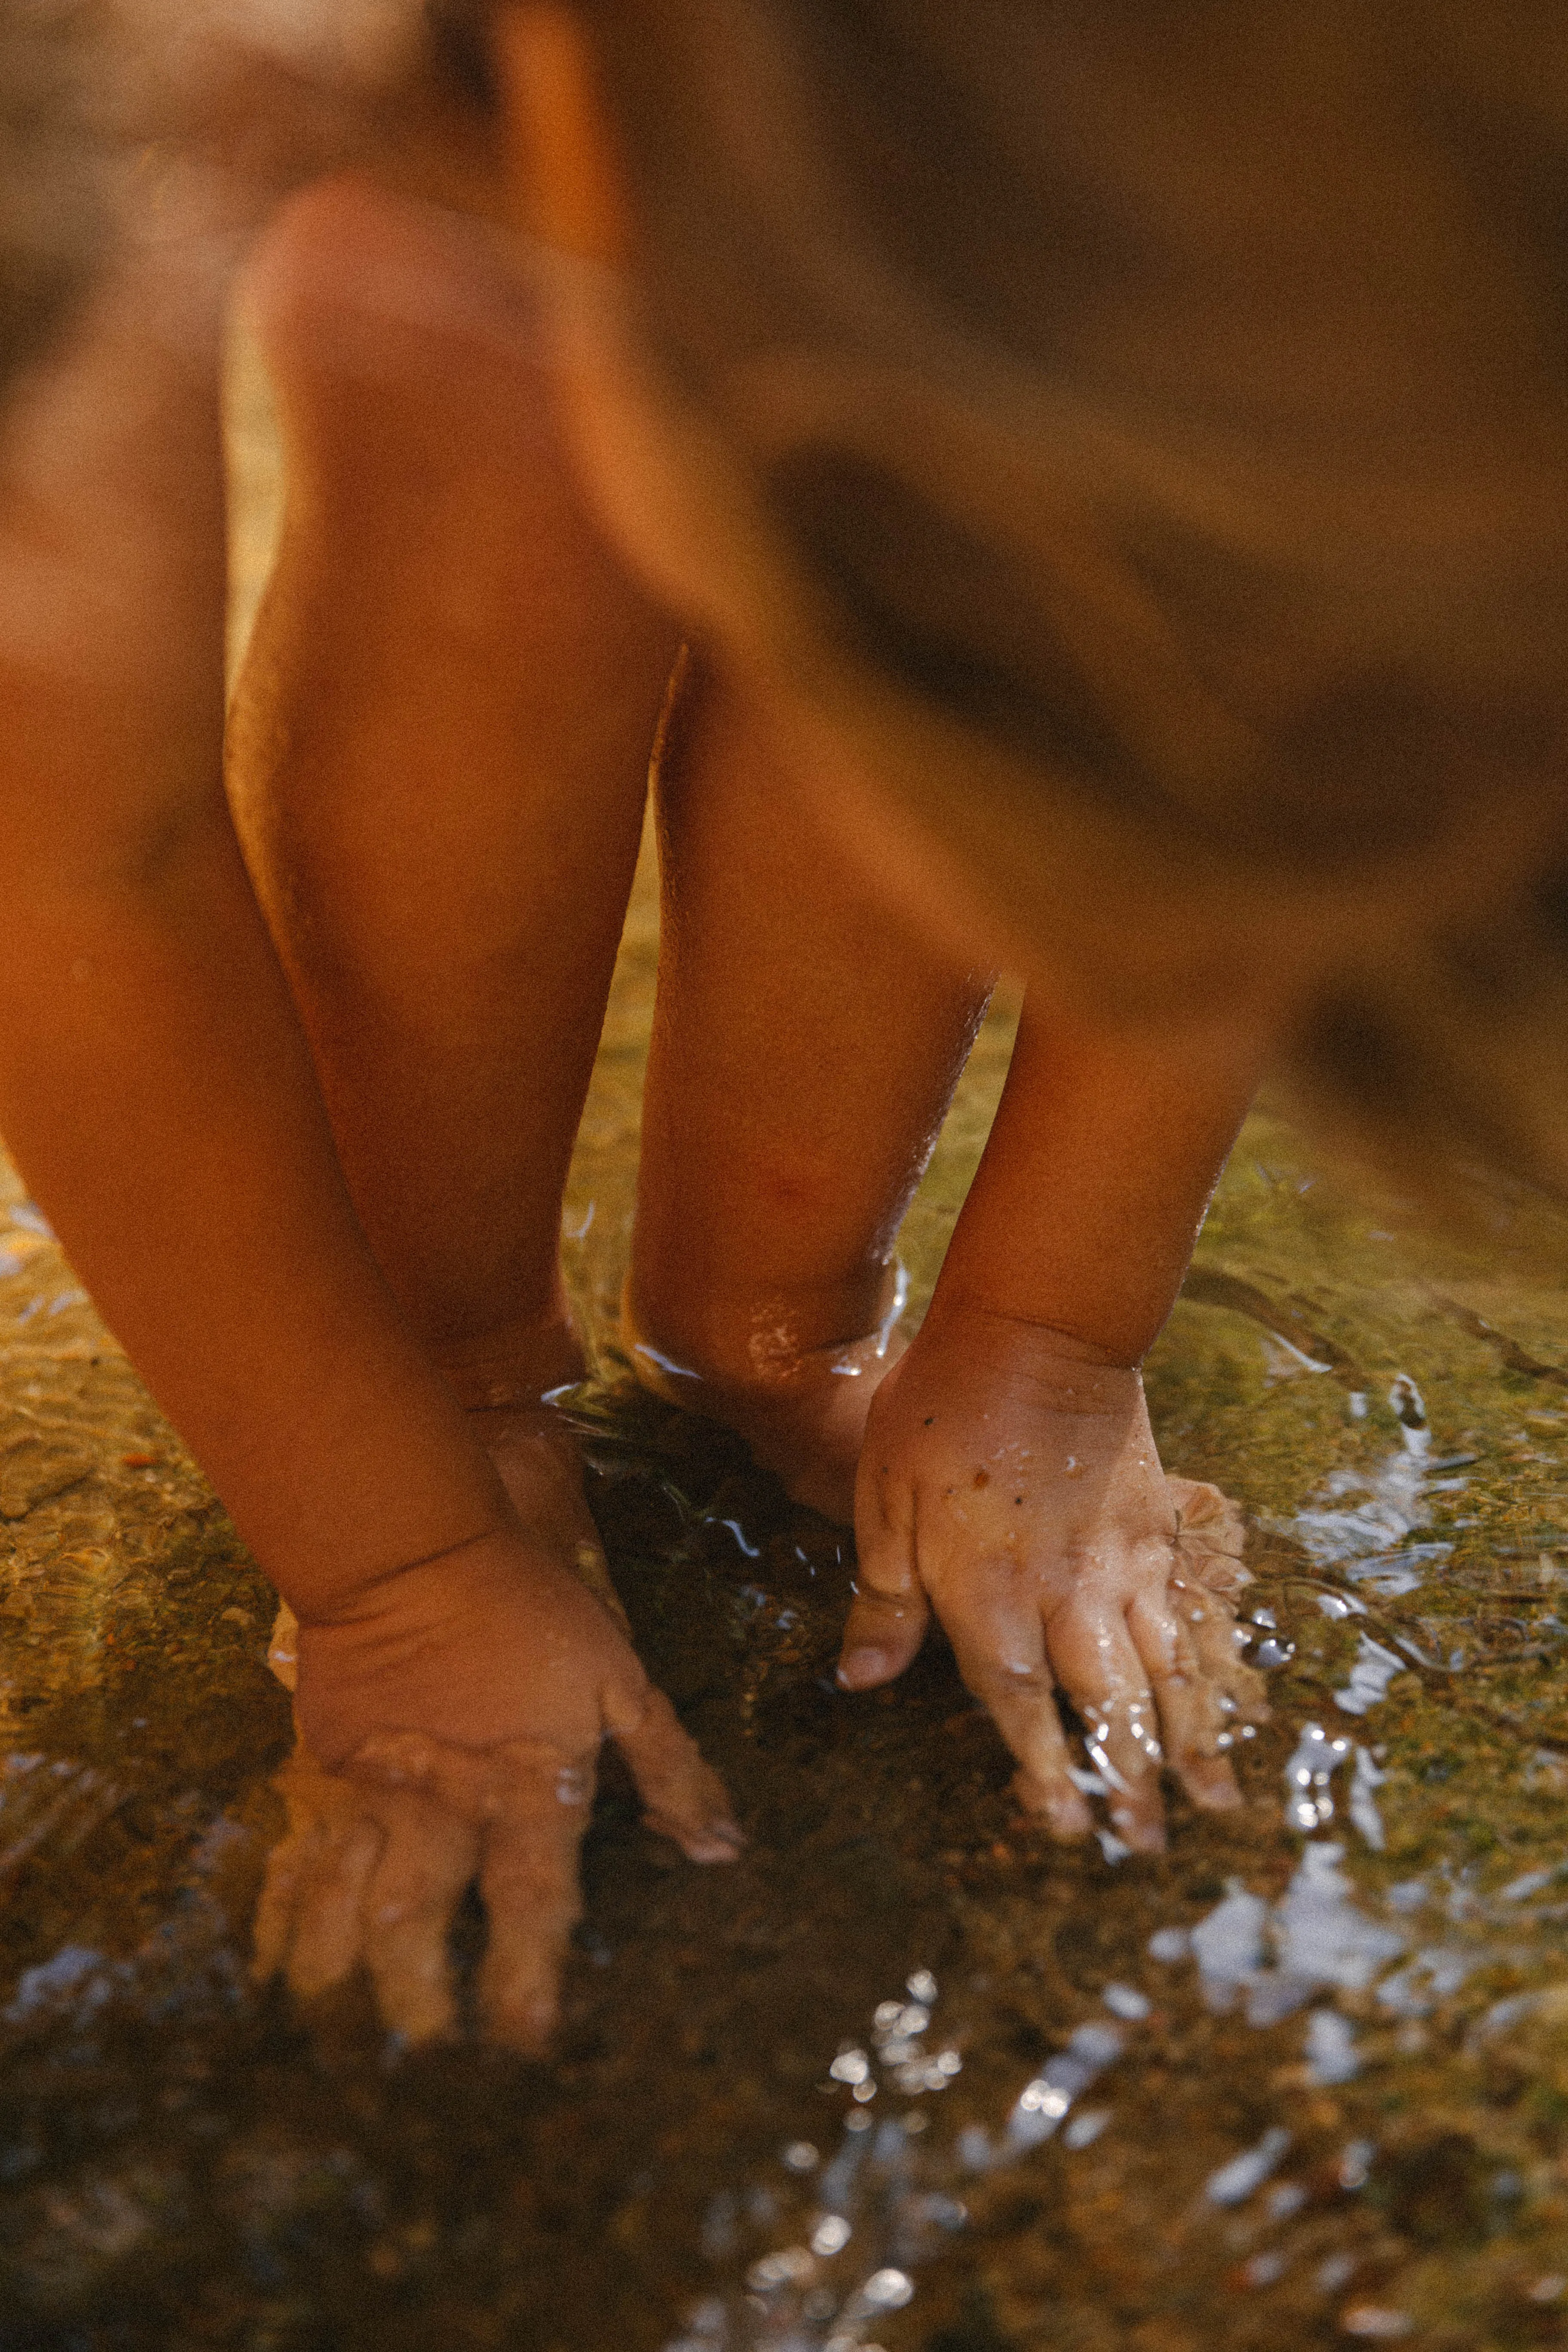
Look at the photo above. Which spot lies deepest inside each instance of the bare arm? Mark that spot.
(1100, 1166)
(1009, 1479)
(156, 1090)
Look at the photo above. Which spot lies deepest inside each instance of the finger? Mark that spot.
(277, 1906)
(529, 1879)
(428, 1857)
(1206, 1510)
(297, 1782)
(890, 1614)
(305, 1919)
(999, 1643)
(593, 1570)
(527, 1803)
(1191, 1718)
(683, 1798)
(1094, 1659)
(1217, 1643)
(325, 1948)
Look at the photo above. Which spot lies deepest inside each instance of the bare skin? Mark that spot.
(490, 1778)
(1012, 1491)
(150, 1031)
(452, 1026)
(802, 1069)
(450, 948)
(453, 1017)
(420, 1005)
(153, 1030)
(805, 1046)
(1009, 1481)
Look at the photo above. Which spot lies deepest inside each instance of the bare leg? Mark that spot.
(158, 1093)
(805, 1046)
(439, 762)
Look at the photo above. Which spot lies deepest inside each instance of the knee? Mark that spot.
(371, 310)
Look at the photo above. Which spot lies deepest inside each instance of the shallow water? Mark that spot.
(907, 2075)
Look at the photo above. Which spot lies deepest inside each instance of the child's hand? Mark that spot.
(449, 1733)
(1012, 1485)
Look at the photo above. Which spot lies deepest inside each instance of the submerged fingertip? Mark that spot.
(1143, 1836)
(1065, 1824)
(529, 2034)
(719, 1840)
(712, 1849)
(1063, 1813)
(859, 1669)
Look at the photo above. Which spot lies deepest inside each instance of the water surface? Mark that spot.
(907, 2075)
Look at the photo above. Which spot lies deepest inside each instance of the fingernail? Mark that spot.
(1143, 1836)
(1063, 1811)
(1068, 1819)
(718, 1841)
(532, 2029)
(859, 1668)
(709, 1845)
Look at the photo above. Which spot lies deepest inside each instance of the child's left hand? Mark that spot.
(1010, 1483)
(449, 1730)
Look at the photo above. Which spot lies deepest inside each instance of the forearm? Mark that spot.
(1101, 1163)
(154, 1085)
(156, 1093)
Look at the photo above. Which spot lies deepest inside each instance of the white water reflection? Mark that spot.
(860, 2225)
(1275, 1957)
(1361, 1522)
(1238, 2179)
(1364, 1809)
(1332, 2054)
(873, 2218)
(1373, 1669)
(1308, 1784)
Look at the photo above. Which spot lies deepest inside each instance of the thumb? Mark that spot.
(890, 1614)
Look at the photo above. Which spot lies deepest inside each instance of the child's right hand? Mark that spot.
(449, 1729)
(1009, 1483)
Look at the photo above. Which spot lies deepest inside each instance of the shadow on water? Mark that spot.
(906, 2076)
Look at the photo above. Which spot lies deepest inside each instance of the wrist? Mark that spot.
(968, 1348)
(412, 1588)
(959, 1309)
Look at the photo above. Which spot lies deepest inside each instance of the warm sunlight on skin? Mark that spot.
(330, 1031)
(715, 1165)
(1066, 1581)
(150, 1031)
